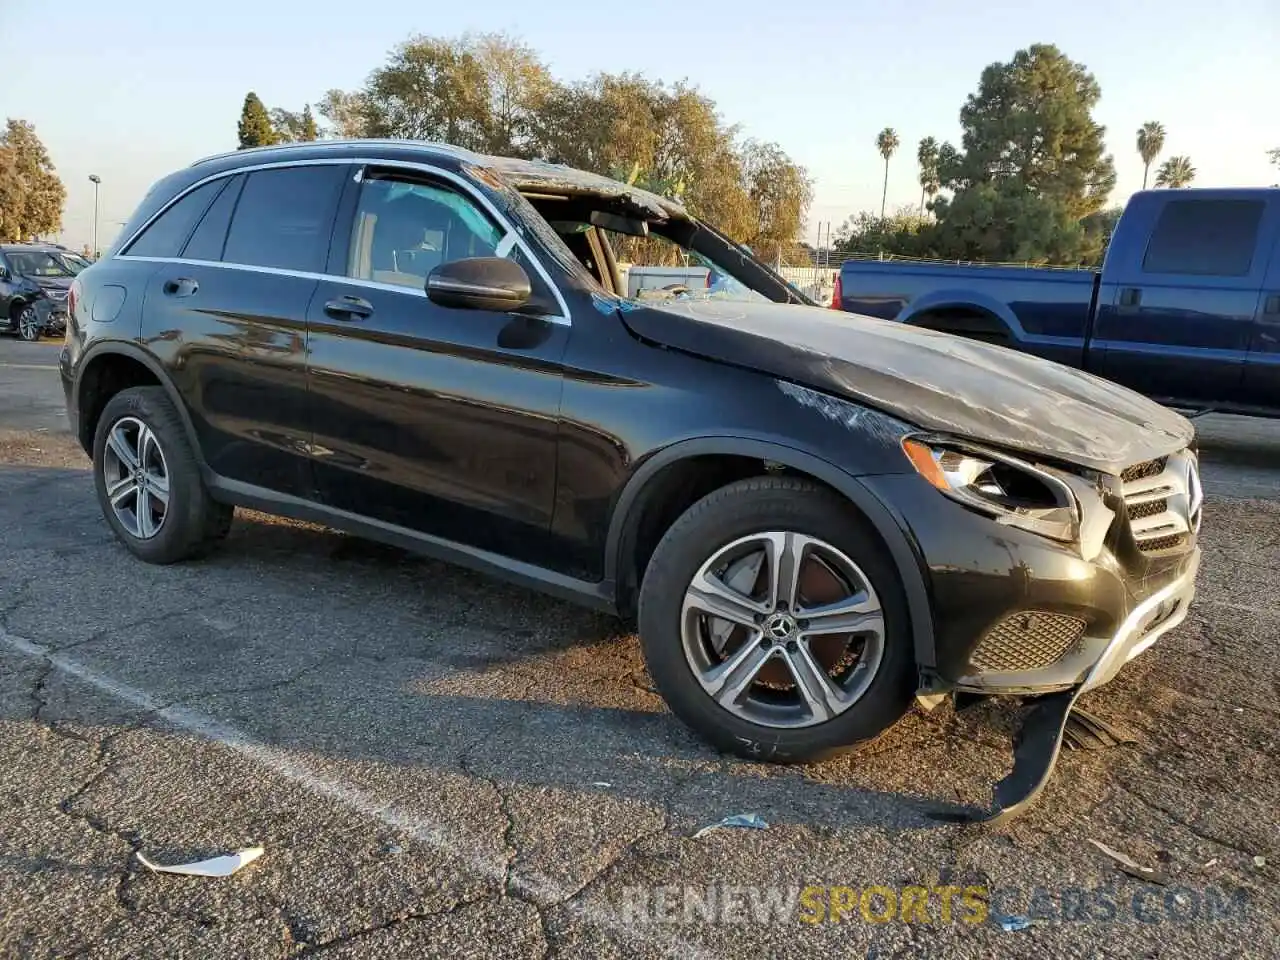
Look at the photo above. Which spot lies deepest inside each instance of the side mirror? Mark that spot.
(4, 272)
(480, 283)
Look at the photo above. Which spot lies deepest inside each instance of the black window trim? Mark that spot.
(511, 237)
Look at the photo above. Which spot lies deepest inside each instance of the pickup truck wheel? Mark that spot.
(773, 622)
(148, 480)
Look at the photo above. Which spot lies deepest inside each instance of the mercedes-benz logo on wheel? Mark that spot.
(780, 627)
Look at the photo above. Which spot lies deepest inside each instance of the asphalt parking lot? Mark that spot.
(439, 765)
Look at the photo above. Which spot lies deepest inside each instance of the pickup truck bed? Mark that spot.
(1185, 310)
(1045, 311)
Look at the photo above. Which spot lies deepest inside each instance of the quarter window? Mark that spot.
(211, 235)
(404, 230)
(284, 218)
(1213, 238)
(167, 233)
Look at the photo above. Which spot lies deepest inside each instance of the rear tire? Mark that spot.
(768, 721)
(148, 480)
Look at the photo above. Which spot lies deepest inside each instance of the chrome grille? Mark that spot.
(1030, 640)
(1162, 499)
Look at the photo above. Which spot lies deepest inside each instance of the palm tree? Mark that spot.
(1175, 172)
(927, 157)
(886, 143)
(1150, 143)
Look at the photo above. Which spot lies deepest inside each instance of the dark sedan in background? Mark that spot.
(34, 283)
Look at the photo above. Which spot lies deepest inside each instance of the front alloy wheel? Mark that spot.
(782, 629)
(29, 323)
(773, 621)
(137, 478)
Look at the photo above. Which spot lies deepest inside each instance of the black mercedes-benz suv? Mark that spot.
(814, 515)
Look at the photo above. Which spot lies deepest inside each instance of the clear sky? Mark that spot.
(131, 89)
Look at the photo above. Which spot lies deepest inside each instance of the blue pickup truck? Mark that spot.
(1186, 308)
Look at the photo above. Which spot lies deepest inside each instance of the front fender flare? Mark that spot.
(885, 521)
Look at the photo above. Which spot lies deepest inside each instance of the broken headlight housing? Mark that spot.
(1009, 490)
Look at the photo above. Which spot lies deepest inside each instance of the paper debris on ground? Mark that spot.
(1259, 861)
(601, 783)
(214, 867)
(1132, 867)
(750, 821)
(1013, 924)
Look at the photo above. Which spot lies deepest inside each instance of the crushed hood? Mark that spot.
(934, 380)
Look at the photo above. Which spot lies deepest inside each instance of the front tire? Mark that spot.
(29, 325)
(773, 622)
(148, 480)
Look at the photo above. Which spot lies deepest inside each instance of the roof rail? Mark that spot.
(312, 144)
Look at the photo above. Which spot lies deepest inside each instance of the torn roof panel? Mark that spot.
(537, 176)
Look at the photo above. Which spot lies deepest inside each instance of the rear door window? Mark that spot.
(285, 217)
(211, 235)
(168, 233)
(1207, 238)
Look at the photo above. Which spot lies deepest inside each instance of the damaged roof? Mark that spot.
(536, 176)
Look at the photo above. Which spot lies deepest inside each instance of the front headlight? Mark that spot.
(1011, 491)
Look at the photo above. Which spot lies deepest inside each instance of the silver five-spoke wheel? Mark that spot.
(29, 323)
(782, 629)
(137, 477)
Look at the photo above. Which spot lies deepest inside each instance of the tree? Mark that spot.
(670, 140)
(1150, 143)
(779, 193)
(1030, 123)
(927, 157)
(493, 94)
(1006, 222)
(290, 127)
(1175, 172)
(31, 195)
(904, 233)
(346, 113)
(517, 85)
(1099, 227)
(255, 128)
(886, 143)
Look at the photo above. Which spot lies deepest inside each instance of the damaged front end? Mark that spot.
(1124, 577)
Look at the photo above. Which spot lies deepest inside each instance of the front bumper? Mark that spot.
(1095, 659)
(52, 314)
(1018, 614)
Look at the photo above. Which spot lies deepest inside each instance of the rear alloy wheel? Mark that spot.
(136, 477)
(29, 326)
(148, 479)
(773, 622)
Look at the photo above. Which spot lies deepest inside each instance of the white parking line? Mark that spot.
(541, 890)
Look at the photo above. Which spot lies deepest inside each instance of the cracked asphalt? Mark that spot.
(440, 765)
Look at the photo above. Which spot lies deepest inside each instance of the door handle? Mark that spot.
(348, 308)
(1272, 305)
(181, 287)
(1130, 297)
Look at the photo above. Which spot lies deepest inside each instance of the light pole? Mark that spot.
(95, 180)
